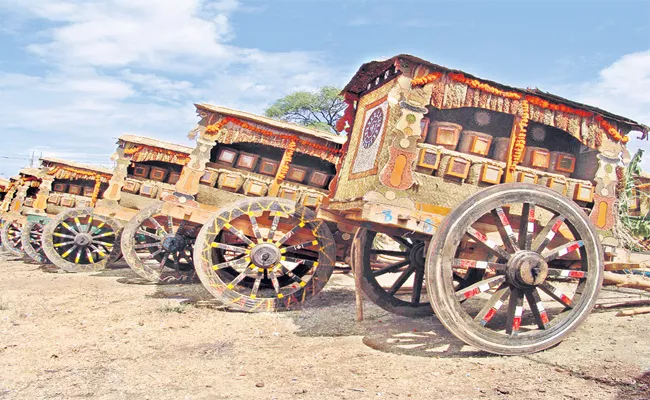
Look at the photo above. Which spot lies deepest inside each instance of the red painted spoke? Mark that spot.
(563, 250)
(505, 229)
(566, 273)
(527, 226)
(480, 287)
(515, 311)
(227, 247)
(474, 264)
(391, 268)
(547, 234)
(483, 240)
(493, 305)
(401, 280)
(392, 253)
(299, 246)
(556, 294)
(537, 308)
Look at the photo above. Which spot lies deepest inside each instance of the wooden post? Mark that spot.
(357, 270)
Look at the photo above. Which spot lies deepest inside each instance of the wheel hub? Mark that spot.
(417, 255)
(265, 255)
(526, 269)
(83, 239)
(173, 243)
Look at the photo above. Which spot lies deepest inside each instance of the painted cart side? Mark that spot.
(18, 201)
(239, 159)
(512, 191)
(67, 186)
(144, 172)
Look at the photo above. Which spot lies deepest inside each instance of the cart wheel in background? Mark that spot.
(32, 235)
(159, 247)
(282, 255)
(79, 241)
(543, 268)
(12, 238)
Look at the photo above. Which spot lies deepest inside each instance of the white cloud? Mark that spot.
(109, 67)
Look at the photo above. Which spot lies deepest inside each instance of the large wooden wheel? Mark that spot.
(159, 247)
(265, 254)
(2, 224)
(79, 241)
(32, 235)
(542, 263)
(389, 265)
(12, 238)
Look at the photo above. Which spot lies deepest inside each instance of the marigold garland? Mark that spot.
(426, 79)
(484, 87)
(288, 156)
(215, 128)
(95, 196)
(77, 171)
(182, 157)
(520, 140)
(536, 101)
(611, 131)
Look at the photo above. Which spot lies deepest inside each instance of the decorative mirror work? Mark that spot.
(374, 126)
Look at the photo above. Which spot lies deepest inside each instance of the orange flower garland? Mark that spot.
(215, 128)
(77, 171)
(98, 183)
(611, 131)
(426, 79)
(288, 156)
(536, 101)
(484, 87)
(134, 150)
(520, 140)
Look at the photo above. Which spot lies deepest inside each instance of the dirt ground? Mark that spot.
(108, 336)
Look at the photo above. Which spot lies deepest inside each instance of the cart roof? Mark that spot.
(33, 172)
(4, 183)
(301, 130)
(369, 71)
(91, 168)
(146, 141)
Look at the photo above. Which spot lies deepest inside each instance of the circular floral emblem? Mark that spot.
(373, 128)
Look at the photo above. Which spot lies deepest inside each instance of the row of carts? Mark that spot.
(491, 206)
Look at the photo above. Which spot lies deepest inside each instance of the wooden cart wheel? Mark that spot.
(32, 235)
(79, 241)
(2, 224)
(159, 247)
(281, 256)
(389, 263)
(543, 269)
(12, 238)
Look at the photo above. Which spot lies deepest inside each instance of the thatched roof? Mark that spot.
(51, 161)
(293, 128)
(369, 71)
(141, 140)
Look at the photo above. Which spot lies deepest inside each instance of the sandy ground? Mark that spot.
(104, 336)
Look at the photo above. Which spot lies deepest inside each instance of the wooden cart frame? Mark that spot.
(18, 201)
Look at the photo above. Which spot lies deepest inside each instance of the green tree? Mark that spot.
(320, 109)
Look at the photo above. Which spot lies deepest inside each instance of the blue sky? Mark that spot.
(75, 74)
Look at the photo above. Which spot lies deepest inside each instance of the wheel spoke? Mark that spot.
(159, 228)
(288, 235)
(105, 234)
(390, 253)
(566, 273)
(233, 263)
(548, 233)
(563, 250)
(515, 311)
(227, 247)
(99, 251)
(78, 256)
(480, 287)
(300, 261)
(69, 251)
(146, 246)
(155, 253)
(505, 229)
(78, 225)
(68, 227)
(274, 227)
(469, 264)
(556, 294)
(163, 260)
(493, 305)
(170, 224)
(418, 281)
(487, 243)
(148, 234)
(276, 284)
(537, 308)
(237, 279)
(402, 241)
(291, 275)
(391, 268)
(256, 285)
(89, 255)
(527, 226)
(239, 234)
(256, 227)
(401, 280)
(299, 246)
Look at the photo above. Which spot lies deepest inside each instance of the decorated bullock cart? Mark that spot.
(87, 239)
(65, 187)
(492, 206)
(4, 188)
(17, 203)
(267, 165)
